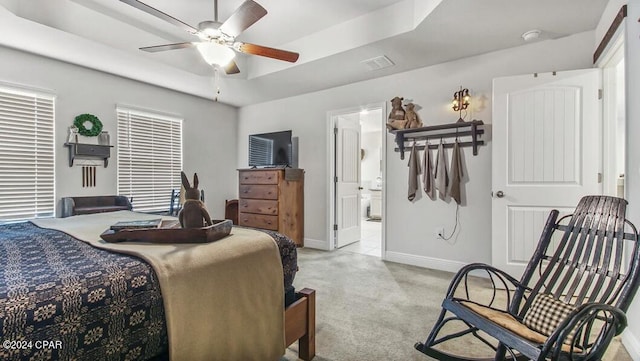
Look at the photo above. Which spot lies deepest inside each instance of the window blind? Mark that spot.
(149, 158)
(260, 151)
(27, 185)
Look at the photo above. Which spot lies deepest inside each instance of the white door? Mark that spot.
(546, 155)
(347, 179)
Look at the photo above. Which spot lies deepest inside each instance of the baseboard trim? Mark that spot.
(632, 344)
(316, 244)
(422, 261)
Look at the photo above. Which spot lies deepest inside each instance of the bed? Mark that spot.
(61, 298)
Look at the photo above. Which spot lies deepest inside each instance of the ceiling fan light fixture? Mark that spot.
(210, 28)
(215, 54)
(214, 33)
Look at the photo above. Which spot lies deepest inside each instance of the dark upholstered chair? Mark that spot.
(174, 203)
(72, 206)
(568, 305)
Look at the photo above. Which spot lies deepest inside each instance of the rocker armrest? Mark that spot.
(464, 271)
(123, 202)
(582, 319)
(68, 206)
(498, 278)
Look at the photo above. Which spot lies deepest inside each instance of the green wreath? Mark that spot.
(96, 125)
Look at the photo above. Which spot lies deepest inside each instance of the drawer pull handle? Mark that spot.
(246, 192)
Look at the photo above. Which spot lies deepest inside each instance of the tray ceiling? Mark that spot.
(332, 36)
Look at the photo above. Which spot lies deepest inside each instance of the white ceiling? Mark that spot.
(332, 37)
(305, 16)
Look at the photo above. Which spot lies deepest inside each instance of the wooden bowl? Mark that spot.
(170, 232)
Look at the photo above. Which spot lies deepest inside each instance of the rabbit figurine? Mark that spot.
(193, 213)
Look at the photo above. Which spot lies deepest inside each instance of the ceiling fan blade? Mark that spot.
(244, 16)
(160, 15)
(268, 52)
(231, 68)
(158, 48)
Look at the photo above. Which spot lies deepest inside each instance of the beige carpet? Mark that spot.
(373, 310)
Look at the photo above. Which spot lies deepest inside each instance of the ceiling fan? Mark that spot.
(217, 40)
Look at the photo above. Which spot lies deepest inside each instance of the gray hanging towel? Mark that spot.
(427, 175)
(414, 172)
(441, 176)
(456, 172)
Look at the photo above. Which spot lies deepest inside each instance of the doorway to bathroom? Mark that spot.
(358, 163)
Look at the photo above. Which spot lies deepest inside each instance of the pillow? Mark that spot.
(546, 313)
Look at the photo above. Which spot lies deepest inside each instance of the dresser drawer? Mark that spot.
(258, 221)
(259, 177)
(259, 191)
(258, 206)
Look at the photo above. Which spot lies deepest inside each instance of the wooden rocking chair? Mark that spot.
(571, 300)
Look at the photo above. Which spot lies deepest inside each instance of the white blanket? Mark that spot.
(223, 300)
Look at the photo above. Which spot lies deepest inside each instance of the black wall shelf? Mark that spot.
(450, 131)
(79, 150)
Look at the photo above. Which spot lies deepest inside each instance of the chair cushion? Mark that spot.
(510, 323)
(546, 313)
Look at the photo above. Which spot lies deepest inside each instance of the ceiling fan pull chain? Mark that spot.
(216, 81)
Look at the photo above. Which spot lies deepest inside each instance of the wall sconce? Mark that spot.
(460, 102)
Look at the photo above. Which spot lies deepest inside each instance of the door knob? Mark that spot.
(499, 194)
(360, 188)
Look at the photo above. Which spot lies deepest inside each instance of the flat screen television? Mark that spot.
(270, 149)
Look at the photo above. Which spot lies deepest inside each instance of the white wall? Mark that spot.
(410, 226)
(371, 142)
(209, 129)
(631, 337)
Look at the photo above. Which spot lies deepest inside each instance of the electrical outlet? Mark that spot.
(438, 232)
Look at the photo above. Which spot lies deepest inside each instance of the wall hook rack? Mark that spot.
(443, 131)
(91, 151)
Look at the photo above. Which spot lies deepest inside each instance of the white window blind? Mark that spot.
(260, 151)
(149, 158)
(26, 155)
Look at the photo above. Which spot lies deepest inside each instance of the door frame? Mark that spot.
(614, 51)
(331, 161)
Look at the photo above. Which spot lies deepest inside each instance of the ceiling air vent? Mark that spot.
(377, 63)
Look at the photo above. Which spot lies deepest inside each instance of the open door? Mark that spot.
(546, 155)
(347, 180)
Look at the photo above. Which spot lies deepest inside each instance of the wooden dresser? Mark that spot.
(273, 199)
